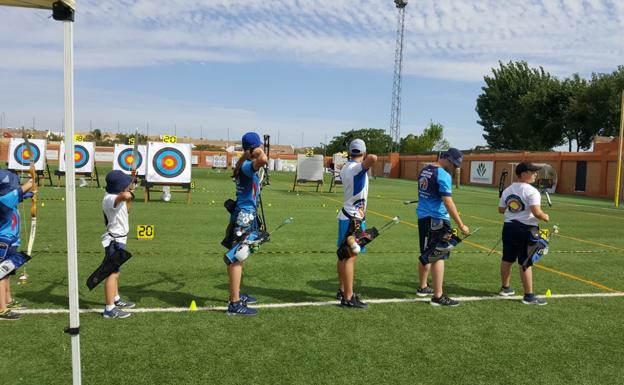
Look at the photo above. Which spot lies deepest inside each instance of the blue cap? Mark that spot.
(117, 181)
(251, 140)
(9, 181)
(454, 156)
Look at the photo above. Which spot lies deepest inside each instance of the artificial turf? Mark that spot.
(572, 340)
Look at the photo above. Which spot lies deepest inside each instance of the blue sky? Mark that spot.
(301, 69)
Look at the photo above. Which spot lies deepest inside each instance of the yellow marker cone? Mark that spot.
(548, 293)
(42, 204)
(270, 205)
(62, 198)
(193, 306)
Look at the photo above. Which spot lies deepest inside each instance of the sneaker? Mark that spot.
(444, 300)
(339, 295)
(124, 304)
(506, 291)
(355, 302)
(424, 291)
(8, 315)
(240, 308)
(15, 305)
(532, 299)
(116, 313)
(247, 298)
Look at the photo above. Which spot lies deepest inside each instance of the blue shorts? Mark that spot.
(343, 232)
(110, 250)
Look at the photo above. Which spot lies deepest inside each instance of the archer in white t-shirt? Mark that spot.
(521, 205)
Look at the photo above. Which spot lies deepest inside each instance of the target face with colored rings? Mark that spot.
(169, 162)
(126, 158)
(81, 156)
(23, 156)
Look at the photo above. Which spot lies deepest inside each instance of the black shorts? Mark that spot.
(426, 236)
(516, 241)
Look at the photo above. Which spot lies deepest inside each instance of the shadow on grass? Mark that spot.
(282, 295)
(453, 289)
(331, 287)
(171, 296)
(45, 295)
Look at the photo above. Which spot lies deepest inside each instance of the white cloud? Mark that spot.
(450, 39)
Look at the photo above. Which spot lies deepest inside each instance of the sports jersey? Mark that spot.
(355, 183)
(10, 218)
(115, 219)
(517, 200)
(247, 187)
(434, 182)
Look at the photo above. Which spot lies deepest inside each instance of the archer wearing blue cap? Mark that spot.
(244, 219)
(11, 194)
(119, 192)
(435, 210)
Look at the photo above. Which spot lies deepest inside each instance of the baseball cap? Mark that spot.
(117, 181)
(251, 140)
(454, 156)
(357, 147)
(526, 166)
(8, 182)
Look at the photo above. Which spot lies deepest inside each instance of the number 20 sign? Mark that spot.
(145, 232)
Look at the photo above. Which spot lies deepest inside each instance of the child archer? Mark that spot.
(11, 194)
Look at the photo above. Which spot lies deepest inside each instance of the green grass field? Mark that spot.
(573, 340)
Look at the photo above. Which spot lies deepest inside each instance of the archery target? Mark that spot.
(20, 156)
(122, 158)
(169, 162)
(84, 156)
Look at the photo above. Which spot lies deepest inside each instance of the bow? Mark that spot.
(33, 207)
(135, 163)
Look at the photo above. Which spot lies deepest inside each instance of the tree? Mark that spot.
(432, 139)
(376, 139)
(576, 116)
(522, 108)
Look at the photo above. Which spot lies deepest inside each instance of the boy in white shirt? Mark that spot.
(354, 176)
(521, 205)
(114, 205)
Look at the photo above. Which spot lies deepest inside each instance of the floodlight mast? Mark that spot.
(395, 114)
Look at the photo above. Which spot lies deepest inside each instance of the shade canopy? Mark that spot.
(42, 4)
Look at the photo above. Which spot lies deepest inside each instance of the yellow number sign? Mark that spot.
(131, 140)
(193, 184)
(78, 138)
(145, 232)
(170, 139)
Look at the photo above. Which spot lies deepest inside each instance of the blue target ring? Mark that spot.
(124, 159)
(169, 162)
(23, 156)
(81, 156)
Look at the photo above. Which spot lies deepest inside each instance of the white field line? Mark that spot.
(310, 304)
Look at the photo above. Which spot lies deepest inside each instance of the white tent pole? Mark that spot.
(70, 201)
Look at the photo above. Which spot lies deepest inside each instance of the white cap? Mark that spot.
(357, 147)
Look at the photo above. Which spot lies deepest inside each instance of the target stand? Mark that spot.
(91, 175)
(41, 174)
(149, 187)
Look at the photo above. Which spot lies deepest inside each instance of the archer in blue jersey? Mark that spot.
(11, 194)
(435, 210)
(244, 219)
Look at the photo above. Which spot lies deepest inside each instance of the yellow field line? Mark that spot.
(482, 247)
(558, 235)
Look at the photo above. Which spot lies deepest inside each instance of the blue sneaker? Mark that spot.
(115, 313)
(124, 304)
(240, 308)
(247, 298)
(424, 291)
(532, 299)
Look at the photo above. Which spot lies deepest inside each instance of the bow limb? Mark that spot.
(33, 205)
